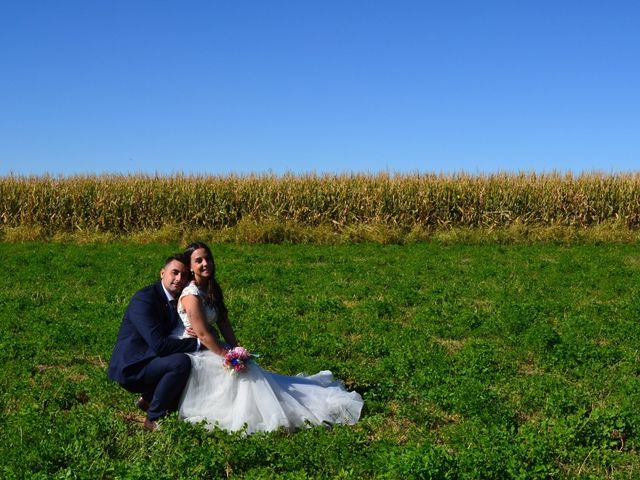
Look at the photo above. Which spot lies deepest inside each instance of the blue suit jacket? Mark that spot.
(144, 335)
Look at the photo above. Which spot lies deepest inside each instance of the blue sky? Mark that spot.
(214, 87)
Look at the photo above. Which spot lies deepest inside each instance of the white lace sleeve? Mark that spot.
(190, 289)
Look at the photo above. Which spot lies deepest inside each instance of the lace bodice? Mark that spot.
(210, 312)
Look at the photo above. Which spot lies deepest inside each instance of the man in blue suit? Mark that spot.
(146, 358)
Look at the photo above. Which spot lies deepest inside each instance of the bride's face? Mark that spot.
(201, 264)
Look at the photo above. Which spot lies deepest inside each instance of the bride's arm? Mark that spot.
(195, 312)
(227, 331)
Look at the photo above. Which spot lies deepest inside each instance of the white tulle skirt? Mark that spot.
(262, 400)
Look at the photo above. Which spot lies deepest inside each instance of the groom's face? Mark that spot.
(175, 276)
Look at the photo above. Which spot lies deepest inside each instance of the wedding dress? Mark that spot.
(256, 398)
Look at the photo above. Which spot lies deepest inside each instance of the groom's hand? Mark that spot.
(191, 332)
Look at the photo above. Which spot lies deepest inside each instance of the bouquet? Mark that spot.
(236, 359)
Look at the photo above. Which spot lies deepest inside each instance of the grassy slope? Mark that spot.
(475, 361)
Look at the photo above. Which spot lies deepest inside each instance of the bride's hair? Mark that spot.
(213, 292)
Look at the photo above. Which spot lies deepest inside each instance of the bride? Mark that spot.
(255, 399)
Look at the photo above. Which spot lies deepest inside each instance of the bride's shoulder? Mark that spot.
(191, 289)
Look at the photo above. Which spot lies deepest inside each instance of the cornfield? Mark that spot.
(124, 204)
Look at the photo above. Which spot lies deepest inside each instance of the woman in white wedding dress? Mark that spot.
(255, 399)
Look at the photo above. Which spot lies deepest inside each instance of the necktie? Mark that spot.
(173, 312)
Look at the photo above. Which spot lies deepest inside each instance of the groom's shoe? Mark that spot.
(142, 404)
(150, 425)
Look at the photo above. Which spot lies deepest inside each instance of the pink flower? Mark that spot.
(236, 359)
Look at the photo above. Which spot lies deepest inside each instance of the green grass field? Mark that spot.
(475, 361)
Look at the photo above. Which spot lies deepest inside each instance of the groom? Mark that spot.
(146, 359)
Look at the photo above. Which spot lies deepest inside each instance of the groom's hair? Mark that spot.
(179, 257)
